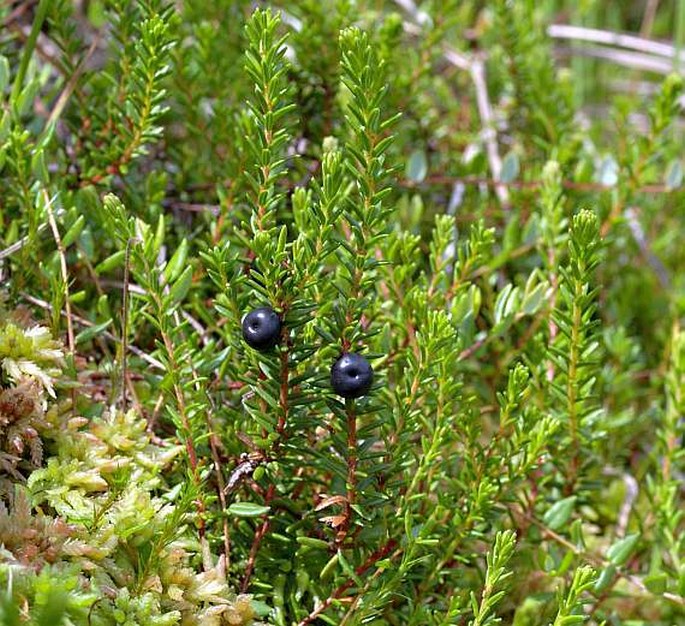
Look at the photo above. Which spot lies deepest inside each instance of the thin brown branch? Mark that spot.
(71, 344)
(284, 389)
(124, 322)
(475, 66)
(221, 489)
(24, 241)
(179, 396)
(257, 541)
(625, 58)
(88, 324)
(599, 562)
(351, 484)
(489, 132)
(473, 348)
(440, 180)
(526, 184)
(18, 12)
(648, 18)
(281, 430)
(611, 38)
(379, 554)
(63, 98)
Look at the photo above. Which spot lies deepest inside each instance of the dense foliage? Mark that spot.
(494, 228)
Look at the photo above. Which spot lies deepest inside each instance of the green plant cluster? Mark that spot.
(95, 535)
(423, 185)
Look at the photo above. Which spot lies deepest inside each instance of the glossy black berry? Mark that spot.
(351, 376)
(262, 328)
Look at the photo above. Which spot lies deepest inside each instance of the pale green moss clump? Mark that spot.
(94, 532)
(29, 353)
(30, 361)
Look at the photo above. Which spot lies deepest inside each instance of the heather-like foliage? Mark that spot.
(495, 229)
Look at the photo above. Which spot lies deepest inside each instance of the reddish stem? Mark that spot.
(374, 558)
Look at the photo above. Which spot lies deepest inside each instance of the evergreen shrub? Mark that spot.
(489, 237)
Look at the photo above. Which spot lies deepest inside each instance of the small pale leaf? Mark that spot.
(248, 509)
(560, 513)
(417, 166)
(510, 168)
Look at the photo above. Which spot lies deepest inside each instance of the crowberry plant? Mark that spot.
(479, 197)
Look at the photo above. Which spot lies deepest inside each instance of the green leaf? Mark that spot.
(159, 234)
(605, 578)
(9, 610)
(260, 608)
(674, 174)
(534, 299)
(38, 166)
(620, 551)
(560, 513)
(510, 168)
(248, 509)
(181, 287)
(348, 569)
(506, 303)
(26, 97)
(312, 542)
(656, 583)
(96, 13)
(72, 234)
(54, 607)
(417, 166)
(329, 568)
(90, 333)
(175, 264)
(4, 73)
(111, 262)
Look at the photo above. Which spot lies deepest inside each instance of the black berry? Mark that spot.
(351, 376)
(262, 328)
